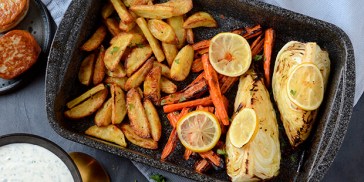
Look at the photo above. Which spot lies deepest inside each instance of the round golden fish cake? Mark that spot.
(12, 12)
(18, 52)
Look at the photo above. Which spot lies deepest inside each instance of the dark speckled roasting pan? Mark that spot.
(308, 162)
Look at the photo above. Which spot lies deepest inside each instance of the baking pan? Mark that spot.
(308, 162)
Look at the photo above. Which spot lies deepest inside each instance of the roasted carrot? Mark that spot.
(256, 41)
(198, 78)
(202, 166)
(187, 154)
(228, 83)
(238, 31)
(192, 91)
(268, 47)
(214, 88)
(202, 108)
(258, 48)
(206, 101)
(170, 145)
(201, 45)
(251, 32)
(203, 51)
(213, 158)
(173, 118)
(197, 65)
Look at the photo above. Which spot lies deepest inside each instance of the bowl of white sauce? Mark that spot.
(26, 157)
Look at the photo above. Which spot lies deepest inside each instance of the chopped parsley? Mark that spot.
(131, 106)
(293, 92)
(258, 57)
(158, 178)
(114, 50)
(182, 99)
(140, 45)
(222, 152)
(163, 102)
(176, 61)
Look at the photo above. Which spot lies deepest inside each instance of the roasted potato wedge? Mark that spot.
(136, 113)
(140, 91)
(152, 89)
(87, 107)
(180, 7)
(119, 104)
(153, 42)
(165, 69)
(200, 19)
(154, 120)
(138, 77)
(170, 51)
(86, 70)
(162, 31)
(176, 23)
(137, 140)
(126, 27)
(96, 39)
(107, 10)
(123, 13)
(129, 3)
(152, 11)
(119, 72)
(99, 69)
(109, 133)
(182, 63)
(117, 81)
(113, 26)
(168, 86)
(137, 58)
(190, 36)
(103, 115)
(85, 95)
(138, 40)
(116, 50)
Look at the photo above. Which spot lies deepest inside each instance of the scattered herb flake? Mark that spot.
(131, 106)
(176, 61)
(257, 57)
(158, 178)
(182, 99)
(163, 102)
(293, 92)
(222, 152)
(140, 45)
(114, 50)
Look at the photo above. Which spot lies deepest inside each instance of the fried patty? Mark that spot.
(12, 12)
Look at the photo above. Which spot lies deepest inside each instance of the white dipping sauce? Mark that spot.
(28, 162)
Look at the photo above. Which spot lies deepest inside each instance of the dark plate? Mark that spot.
(42, 142)
(308, 162)
(39, 23)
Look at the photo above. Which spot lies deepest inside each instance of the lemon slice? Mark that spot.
(230, 54)
(305, 86)
(242, 127)
(199, 131)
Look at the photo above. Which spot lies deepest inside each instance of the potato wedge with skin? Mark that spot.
(180, 7)
(140, 91)
(137, 140)
(165, 69)
(129, 3)
(176, 23)
(152, 88)
(137, 58)
(119, 109)
(152, 11)
(126, 27)
(96, 39)
(162, 31)
(87, 107)
(113, 26)
(119, 72)
(117, 81)
(168, 86)
(123, 13)
(136, 113)
(103, 115)
(138, 40)
(182, 63)
(107, 10)
(138, 77)
(154, 120)
(109, 133)
(153, 42)
(99, 69)
(86, 70)
(190, 36)
(200, 19)
(170, 51)
(116, 50)
(85, 95)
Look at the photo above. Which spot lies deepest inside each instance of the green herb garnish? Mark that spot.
(257, 57)
(131, 106)
(221, 152)
(293, 92)
(182, 99)
(140, 45)
(158, 178)
(114, 50)
(163, 102)
(176, 61)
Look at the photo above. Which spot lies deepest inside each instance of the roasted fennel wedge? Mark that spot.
(259, 159)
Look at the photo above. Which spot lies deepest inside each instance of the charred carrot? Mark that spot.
(187, 154)
(214, 88)
(212, 157)
(170, 145)
(228, 83)
(256, 41)
(238, 31)
(184, 111)
(173, 118)
(202, 166)
(201, 45)
(198, 78)
(251, 32)
(206, 101)
(203, 51)
(196, 66)
(258, 48)
(268, 47)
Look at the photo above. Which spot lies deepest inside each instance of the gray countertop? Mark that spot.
(23, 111)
